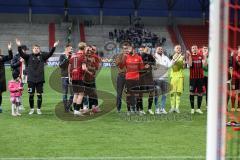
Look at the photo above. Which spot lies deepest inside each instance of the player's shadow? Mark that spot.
(108, 103)
(142, 87)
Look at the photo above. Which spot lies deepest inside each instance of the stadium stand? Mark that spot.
(51, 30)
(29, 34)
(192, 34)
(235, 38)
(172, 35)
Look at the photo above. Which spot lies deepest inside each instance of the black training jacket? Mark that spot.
(35, 63)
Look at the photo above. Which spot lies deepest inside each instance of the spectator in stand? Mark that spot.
(137, 35)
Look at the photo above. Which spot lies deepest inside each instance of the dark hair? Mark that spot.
(158, 45)
(15, 75)
(126, 43)
(24, 47)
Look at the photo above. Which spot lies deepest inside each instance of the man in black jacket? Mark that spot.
(4, 59)
(17, 63)
(19, 68)
(63, 64)
(35, 63)
(146, 80)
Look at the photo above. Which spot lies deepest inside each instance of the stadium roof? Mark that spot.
(152, 8)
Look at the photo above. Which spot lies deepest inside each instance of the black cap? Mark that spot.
(24, 47)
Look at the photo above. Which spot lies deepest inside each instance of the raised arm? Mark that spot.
(189, 58)
(122, 64)
(21, 53)
(119, 59)
(49, 54)
(97, 62)
(10, 54)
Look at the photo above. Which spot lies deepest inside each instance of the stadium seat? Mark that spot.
(194, 34)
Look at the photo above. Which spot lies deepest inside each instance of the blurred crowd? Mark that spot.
(137, 35)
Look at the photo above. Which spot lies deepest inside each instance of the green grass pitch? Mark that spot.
(106, 137)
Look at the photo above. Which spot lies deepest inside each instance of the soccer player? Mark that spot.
(236, 80)
(160, 77)
(92, 65)
(205, 69)
(4, 59)
(229, 78)
(63, 64)
(76, 69)
(133, 64)
(176, 79)
(35, 63)
(120, 77)
(196, 77)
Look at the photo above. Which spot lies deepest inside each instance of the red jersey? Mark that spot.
(76, 61)
(196, 70)
(236, 68)
(93, 64)
(133, 64)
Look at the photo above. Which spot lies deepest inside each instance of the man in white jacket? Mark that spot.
(160, 77)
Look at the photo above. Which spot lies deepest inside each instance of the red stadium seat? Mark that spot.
(192, 34)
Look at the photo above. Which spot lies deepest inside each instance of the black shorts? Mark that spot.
(196, 85)
(35, 86)
(132, 86)
(146, 79)
(78, 86)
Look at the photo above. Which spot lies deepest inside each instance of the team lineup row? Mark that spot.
(139, 72)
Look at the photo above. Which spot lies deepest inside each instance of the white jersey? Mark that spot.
(160, 70)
